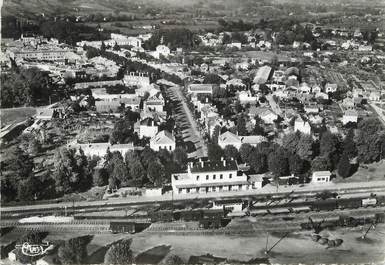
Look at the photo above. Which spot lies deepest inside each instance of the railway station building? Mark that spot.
(210, 176)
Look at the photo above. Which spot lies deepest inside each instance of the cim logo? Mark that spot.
(33, 250)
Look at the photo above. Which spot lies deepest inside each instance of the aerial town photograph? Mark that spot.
(192, 132)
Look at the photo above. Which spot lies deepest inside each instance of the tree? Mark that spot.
(120, 172)
(370, 140)
(27, 87)
(119, 253)
(231, 152)
(29, 189)
(305, 147)
(296, 164)
(216, 133)
(29, 144)
(290, 141)
(103, 47)
(179, 155)
(344, 167)
(116, 47)
(258, 129)
(100, 177)
(245, 152)
(147, 156)
(278, 163)
(174, 260)
(241, 125)
(349, 146)
(212, 79)
(155, 173)
(214, 152)
(20, 163)
(328, 143)
(321, 163)
(71, 171)
(257, 161)
(74, 251)
(137, 172)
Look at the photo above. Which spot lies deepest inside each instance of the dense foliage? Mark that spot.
(29, 87)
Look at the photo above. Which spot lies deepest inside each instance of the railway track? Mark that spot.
(238, 226)
(94, 206)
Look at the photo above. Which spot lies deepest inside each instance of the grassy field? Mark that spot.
(371, 172)
(14, 115)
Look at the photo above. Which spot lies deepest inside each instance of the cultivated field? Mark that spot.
(15, 115)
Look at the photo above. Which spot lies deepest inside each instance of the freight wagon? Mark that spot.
(127, 227)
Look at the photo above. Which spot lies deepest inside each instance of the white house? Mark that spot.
(256, 181)
(304, 88)
(374, 96)
(350, 115)
(209, 176)
(154, 103)
(136, 79)
(163, 140)
(161, 50)
(45, 114)
(147, 128)
(302, 126)
(330, 88)
(228, 138)
(200, 88)
(100, 149)
(321, 177)
(262, 75)
(267, 115)
(246, 97)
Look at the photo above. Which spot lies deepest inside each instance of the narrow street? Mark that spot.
(186, 120)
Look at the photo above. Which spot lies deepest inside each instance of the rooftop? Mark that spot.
(210, 166)
(163, 137)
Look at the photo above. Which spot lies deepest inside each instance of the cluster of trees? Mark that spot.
(262, 158)
(27, 87)
(295, 33)
(120, 253)
(69, 32)
(19, 183)
(72, 171)
(123, 131)
(140, 168)
(234, 37)
(175, 38)
(74, 250)
(298, 154)
(231, 26)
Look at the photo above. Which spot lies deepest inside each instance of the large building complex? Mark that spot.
(209, 176)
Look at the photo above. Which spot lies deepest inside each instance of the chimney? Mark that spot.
(152, 123)
(224, 162)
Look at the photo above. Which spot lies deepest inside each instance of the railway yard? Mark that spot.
(328, 219)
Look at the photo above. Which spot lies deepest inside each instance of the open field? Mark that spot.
(375, 171)
(15, 115)
(246, 248)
